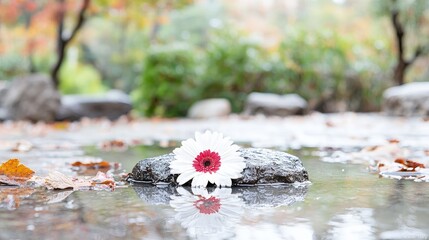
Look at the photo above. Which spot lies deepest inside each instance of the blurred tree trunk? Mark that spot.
(156, 25)
(62, 40)
(402, 63)
(28, 15)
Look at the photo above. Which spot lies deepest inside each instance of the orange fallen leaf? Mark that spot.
(393, 140)
(95, 164)
(102, 181)
(13, 172)
(61, 125)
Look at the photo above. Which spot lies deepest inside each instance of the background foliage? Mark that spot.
(338, 55)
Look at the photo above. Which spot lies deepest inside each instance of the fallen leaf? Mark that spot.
(371, 148)
(57, 180)
(92, 164)
(64, 125)
(22, 146)
(409, 165)
(113, 145)
(393, 141)
(102, 180)
(13, 172)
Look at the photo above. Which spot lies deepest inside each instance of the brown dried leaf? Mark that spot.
(409, 165)
(113, 145)
(101, 181)
(393, 141)
(92, 164)
(13, 172)
(371, 148)
(57, 180)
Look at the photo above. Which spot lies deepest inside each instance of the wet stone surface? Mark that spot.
(263, 166)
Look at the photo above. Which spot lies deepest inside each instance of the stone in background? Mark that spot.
(411, 99)
(270, 104)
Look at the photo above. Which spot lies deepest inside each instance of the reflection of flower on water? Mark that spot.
(203, 213)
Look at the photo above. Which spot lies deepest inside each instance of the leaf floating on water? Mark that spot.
(103, 182)
(92, 164)
(409, 165)
(57, 180)
(13, 172)
(113, 145)
(393, 141)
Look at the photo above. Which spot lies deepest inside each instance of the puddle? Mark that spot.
(344, 201)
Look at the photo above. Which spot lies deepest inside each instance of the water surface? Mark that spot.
(343, 201)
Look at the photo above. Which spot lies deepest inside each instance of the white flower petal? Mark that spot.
(185, 177)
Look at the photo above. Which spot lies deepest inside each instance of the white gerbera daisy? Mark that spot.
(209, 158)
(204, 214)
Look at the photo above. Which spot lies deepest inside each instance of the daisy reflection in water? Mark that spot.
(204, 214)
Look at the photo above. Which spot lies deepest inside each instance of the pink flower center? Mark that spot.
(208, 205)
(207, 161)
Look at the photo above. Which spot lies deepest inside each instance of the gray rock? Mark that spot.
(275, 105)
(210, 108)
(254, 197)
(4, 87)
(112, 105)
(33, 98)
(411, 99)
(263, 166)
(4, 113)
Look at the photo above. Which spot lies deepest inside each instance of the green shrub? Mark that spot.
(77, 78)
(328, 68)
(167, 86)
(11, 65)
(234, 67)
